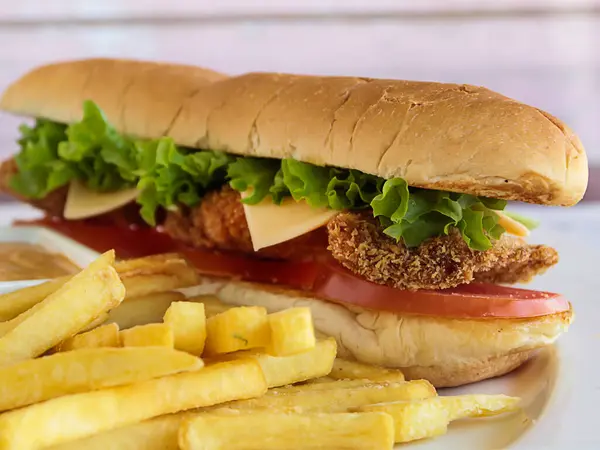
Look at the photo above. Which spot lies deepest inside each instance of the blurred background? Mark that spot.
(542, 52)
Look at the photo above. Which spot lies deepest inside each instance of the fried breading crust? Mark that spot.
(357, 241)
(53, 203)
(219, 222)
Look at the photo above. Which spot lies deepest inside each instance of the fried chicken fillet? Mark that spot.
(356, 240)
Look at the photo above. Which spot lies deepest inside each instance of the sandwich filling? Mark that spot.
(385, 231)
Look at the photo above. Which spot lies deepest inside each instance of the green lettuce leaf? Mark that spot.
(40, 169)
(171, 176)
(255, 174)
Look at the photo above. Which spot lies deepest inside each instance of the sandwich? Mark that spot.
(383, 205)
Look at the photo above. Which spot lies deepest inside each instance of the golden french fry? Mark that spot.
(188, 322)
(156, 273)
(292, 332)
(96, 322)
(81, 415)
(212, 305)
(352, 370)
(328, 397)
(17, 302)
(152, 334)
(240, 328)
(414, 420)
(263, 430)
(37, 380)
(155, 434)
(92, 292)
(430, 417)
(478, 405)
(283, 370)
(103, 336)
(143, 310)
(143, 276)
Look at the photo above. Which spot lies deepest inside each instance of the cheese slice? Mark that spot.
(83, 203)
(271, 224)
(511, 225)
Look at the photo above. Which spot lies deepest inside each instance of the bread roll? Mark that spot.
(441, 136)
(446, 351)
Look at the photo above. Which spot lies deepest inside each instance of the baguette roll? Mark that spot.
(451, 137)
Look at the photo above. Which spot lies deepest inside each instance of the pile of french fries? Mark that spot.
(115, 358)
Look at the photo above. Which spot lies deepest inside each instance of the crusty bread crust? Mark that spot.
(446, 351)
(139, 98)
(442, 136)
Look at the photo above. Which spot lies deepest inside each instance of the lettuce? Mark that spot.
(408, 214)
(169, 176)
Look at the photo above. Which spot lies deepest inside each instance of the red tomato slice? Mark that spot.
(323, 279)
(467, 301)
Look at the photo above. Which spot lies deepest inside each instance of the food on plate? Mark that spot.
(283, 370)
(152, 396)
(337, 396)
(85, 414)
(25, 261)
(151, 334)
(141, 276)
(188, 322)
(93, 291)
(428, 418)
(290, 431)
(379, 204)
(36, 380)
(351, 370)
(144, 309)
(237, 329)
(292, 331)
(100, 336)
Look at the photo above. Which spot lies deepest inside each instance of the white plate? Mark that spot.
(561, 386)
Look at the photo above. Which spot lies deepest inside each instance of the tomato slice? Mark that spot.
(466, 301)
(324, 279)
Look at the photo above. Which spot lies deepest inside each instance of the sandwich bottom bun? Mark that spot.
(446, 351)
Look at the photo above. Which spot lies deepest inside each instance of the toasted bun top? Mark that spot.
(440, 136)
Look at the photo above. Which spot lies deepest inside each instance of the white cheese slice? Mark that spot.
(271, 224)
(511, 225)
(83, 203)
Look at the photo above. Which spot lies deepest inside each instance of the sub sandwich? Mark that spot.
(380, 204)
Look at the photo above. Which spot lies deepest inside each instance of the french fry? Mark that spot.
(240, 328)
(143, 310)
(188, 322)
(17, 302)
(329, 398)
(103, 336)
(92, 292)
(96, 322)
(283, 370)
(152, 334)
(212, 305)
(465, 406)
(263, 430)
(414, 420)
(40, 379)
(156, 273)
(159, 433)
(81, 415)
(292, 332)
(420, 419)
(344, 369)
(141, 276)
